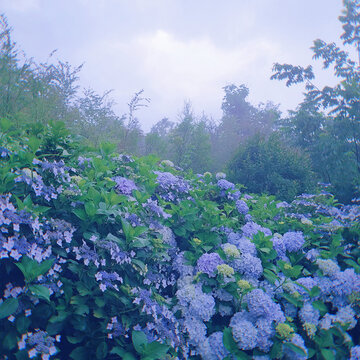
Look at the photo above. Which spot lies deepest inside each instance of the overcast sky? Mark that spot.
(177, 50)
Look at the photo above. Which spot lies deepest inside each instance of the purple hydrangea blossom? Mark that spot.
(40, 343)
(180, 265)
(328, 267)
(207, 263)
(170, 187)
(355, 353)
(202, 307)
(260, 304)
(293, 240)
(4, 152)
(248, 265)
(309, 315)
(196, 330)
(154, 208)
(217, 346)
(225, 185)
(124, 186)
(244, 332)
(251, 228)
(242, 243)
(242, 207)
(35, 181)
(265, 333)
(107, 280)
(58, 169)
(292, 355)
(345, 282)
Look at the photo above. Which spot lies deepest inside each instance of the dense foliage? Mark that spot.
(269, 165)
(109, 256)
(333, 138)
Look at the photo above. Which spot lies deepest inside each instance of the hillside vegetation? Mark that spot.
(111, 256)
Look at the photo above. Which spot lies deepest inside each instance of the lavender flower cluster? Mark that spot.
(171, 187)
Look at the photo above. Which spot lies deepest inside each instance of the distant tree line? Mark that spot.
(254, 145)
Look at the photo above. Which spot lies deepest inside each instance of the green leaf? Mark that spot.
(139, 341)
(270, 276)
(80, 353)
(101, 351)
(41, 291)
(8, 307)
(296, 349)
(31, 269)
(34, 144)
(128, 356)
(315, 291)
(319, 305)
(90, 209)
(155, 350)
(10, 340)
(140, 243)
(22, 324)
(328, 354)
(117, 350)
(80, 213)
(229, 341)
(75, 339)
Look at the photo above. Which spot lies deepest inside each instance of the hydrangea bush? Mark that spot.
(108, 256)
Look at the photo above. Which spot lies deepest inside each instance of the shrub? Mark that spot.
(270, 166)
(108, 256)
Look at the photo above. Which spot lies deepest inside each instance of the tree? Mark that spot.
(341, 102)
(189, 145)
(268, 165)
(157, 140)
(239, 122)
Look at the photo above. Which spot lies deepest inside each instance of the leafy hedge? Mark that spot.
(107, 256)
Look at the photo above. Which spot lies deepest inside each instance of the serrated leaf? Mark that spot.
(41, 291)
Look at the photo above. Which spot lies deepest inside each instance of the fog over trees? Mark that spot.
(318, 142)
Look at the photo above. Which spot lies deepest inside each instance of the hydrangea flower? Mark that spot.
(248, 265)
(225, 270)
(171, 186)
(244, 332)
(196, 330)
(202, 306)
(293, 240)
(251, 228)
(242, 243)
(217, 346)
(265, 333)
(225, 185)
(355, 353)
(242, 207)
(231, 250)
(124, 186)
(261, 304)
(155, 209)
(292, 355)
(207, 263)
(220, 175)
(309, 315)
(328, 267)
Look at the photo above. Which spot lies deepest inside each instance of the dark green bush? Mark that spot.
(270, 166)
